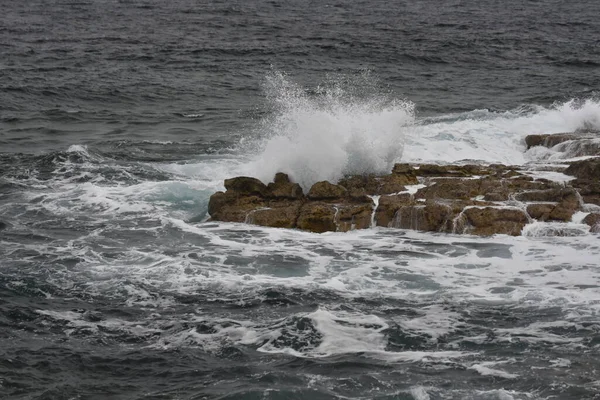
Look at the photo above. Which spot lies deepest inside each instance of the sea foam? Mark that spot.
(354, 126)
(342, 128)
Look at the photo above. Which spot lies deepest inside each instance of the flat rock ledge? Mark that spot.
(471, 199)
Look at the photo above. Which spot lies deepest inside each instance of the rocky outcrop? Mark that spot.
(549, 140)
(472, 198)
(326, 191)
(593, 220)
(585, 143)
(487, 221)
(585, 170)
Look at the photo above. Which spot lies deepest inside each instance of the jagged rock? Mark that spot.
(358, 195)
(567, 202)
(580, 147)
(360, 184)
(496, 196)
(378, 185)
(230, 207)
(430, 217)
(540, 211)
(317, 217)
(467, 170)
(326, 191)
(593, 220)
(487, 221)
(587, 170)
(567, 196)
(388, 206)
(456, 198)
(457, 188)
(354, 216)
(589, 191)
(217, 201)
(403, 169)
(278, 217)
(283, 188)
(405, 174)
(244, 185)
(549, 140)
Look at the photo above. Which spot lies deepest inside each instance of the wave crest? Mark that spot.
(343, 127)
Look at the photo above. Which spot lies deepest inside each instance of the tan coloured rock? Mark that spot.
(430, 217)
(486, 221)
(580, 148)
(326, 191)
(279, 217)
(354, 216)
(589, 191)
(588, 170)
(388, 206)
(245, 185)
(458, 188)
(317, 217)
(230, 207)
(540, 211)
(549, 140)
(593, 220)
(378, 185)
(283, 188)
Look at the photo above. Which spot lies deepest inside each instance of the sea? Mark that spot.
(120, 118)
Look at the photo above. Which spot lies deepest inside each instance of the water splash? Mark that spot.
(343, 127)
(497, 137)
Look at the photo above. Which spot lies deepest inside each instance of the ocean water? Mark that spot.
(119, 119)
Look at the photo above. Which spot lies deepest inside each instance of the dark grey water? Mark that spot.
(118, 119)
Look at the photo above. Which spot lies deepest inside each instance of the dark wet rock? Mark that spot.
(540, 211)
(358, 195)
(3, 225)
(493, 220)
(580, 148)
(549, 140)
(589, 191)
(246, 185)
(593, 220)
(278, 217)
(585, 170)
(467, 170)
(458, 188)
(354, 216)
(283, 188)
(430, 217)
(474, 199)
(378, 185)
(500, 195)
(326, 191)
(230, 207)
(317, 217)
(388, 206)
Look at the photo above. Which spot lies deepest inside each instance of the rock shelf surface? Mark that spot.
(463, 198)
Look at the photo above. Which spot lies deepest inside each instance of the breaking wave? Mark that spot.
(343, 127)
